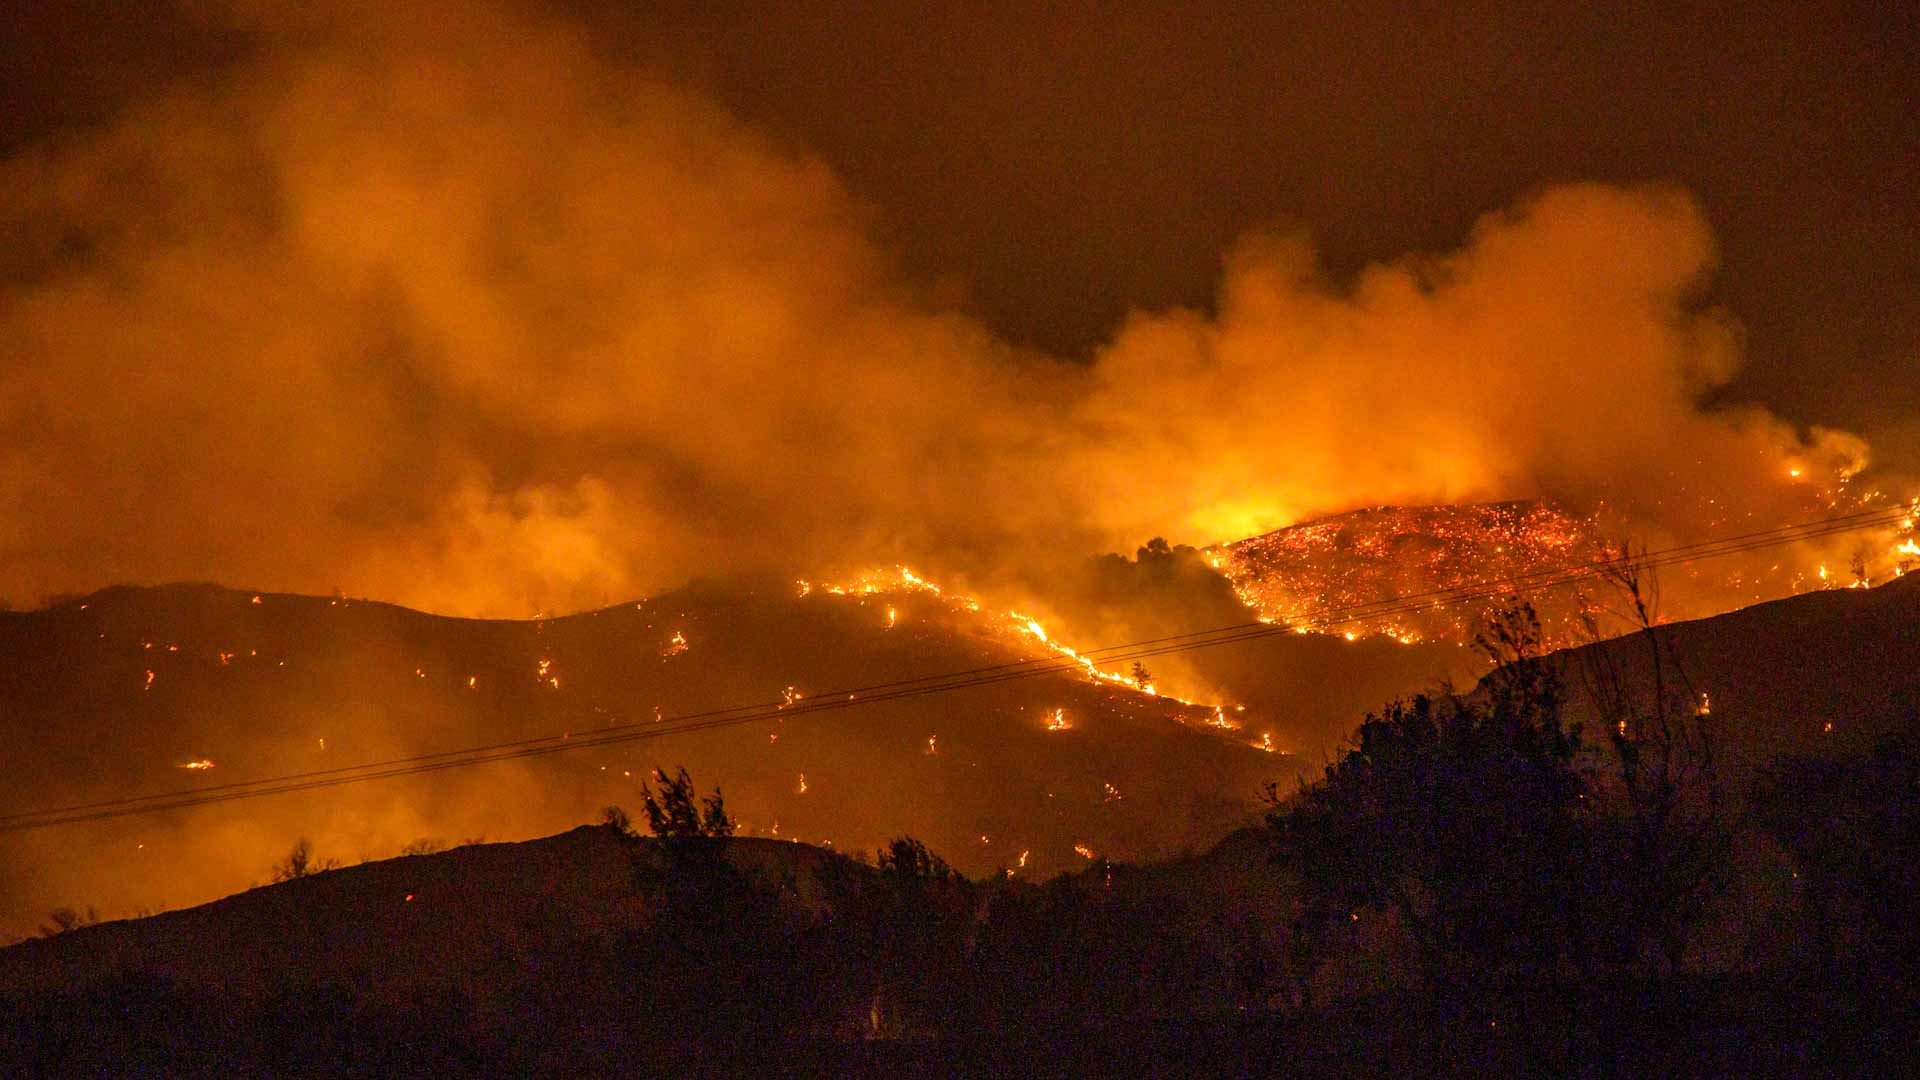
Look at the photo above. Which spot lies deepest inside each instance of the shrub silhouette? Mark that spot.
(300, 863)
(714, 966)
(63, 919)
(1461, 817)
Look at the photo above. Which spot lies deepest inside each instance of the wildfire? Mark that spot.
(1083, 851)
(801, 787)
(900, 579)
(1057, 720)
(201, 764)
(1297, 574)
(676, 645)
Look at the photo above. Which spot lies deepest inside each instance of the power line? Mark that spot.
(942, 683)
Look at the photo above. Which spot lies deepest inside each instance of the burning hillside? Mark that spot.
(1378, 559)
(1369, 556)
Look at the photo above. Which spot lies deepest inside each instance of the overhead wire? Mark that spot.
(1059, 663)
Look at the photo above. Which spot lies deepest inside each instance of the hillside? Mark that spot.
(119, 693)
(1825, 672)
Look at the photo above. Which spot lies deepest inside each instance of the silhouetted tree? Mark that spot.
(1663, 833)
(300, 863)
(713, 970)
(912, 923)
(1461, 816)
(675, 814)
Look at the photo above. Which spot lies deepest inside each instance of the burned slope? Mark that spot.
(124, 692)
(1823, 673)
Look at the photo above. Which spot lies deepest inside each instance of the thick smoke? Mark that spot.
(448, 309)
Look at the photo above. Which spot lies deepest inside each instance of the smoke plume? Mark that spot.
(445, 307)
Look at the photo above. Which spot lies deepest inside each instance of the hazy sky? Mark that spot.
(1066, 163)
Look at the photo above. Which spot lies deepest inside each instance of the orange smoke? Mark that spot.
(442, 307)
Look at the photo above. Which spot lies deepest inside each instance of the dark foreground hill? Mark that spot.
(1828, 672)
(567, 956)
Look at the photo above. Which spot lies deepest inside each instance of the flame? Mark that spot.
(901, 579)
(1083, 851)
(202, 763)
(1057, 720)
(149, 682)
(676, 645)
(801, 787)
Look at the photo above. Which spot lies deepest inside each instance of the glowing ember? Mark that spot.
(1083, 851)
(1368, 556)
(1364, 557)
(149, 683)
(801, 787)
(676, 645)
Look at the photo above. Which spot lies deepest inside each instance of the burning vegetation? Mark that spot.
(1382, 562)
